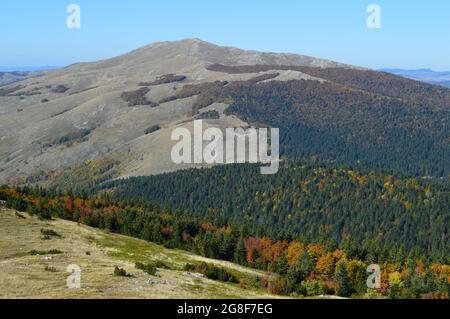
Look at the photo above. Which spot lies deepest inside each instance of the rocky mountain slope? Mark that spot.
(77, 114)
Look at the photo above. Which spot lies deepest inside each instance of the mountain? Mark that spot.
(92, 122)
(27, 68)
(426, 75)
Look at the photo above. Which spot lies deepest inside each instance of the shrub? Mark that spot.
(43, 252)
(50, 233)
(210, 115)
(20, 215)
(312, 288)
(137, 97)
(165, 79)
(50, 269)
(252, 282)
(280, 286)
(212, 272)
(161, 265)
(60, 89)
(150, 269)
(70, 138)
(120, 272)
(152, 129)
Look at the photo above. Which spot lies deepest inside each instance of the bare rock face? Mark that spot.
(92, 120)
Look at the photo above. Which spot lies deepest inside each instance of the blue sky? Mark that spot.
(414, 34)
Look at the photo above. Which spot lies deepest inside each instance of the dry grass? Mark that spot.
(25, 276)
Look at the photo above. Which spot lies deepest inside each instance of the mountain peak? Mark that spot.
(195, 50)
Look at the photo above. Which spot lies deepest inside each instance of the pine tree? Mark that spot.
(344, 288)
(240, 253)
(281, 266)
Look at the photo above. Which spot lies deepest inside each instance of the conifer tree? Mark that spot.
(344, 288)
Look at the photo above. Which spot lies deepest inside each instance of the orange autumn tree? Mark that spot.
(263, 250)
(326, 265)
(293, 252)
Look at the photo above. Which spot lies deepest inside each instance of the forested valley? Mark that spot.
(318, 227)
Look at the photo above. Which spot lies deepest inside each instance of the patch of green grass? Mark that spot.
(133, 250)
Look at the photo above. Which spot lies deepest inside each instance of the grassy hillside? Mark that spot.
(27, 275)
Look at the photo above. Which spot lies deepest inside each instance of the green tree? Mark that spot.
(300, 270)
(240, 253)
(344, 288)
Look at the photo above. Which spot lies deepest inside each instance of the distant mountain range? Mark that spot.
(27, 68)
(11, 74)
(426, 75)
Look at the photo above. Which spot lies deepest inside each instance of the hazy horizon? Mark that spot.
(51, 66)
(411, 34)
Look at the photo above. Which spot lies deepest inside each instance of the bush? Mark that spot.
(253, 282)
(119, 272)
(60, 89)
(150, 269)
(212, 272)
(50, 269)
(50, 233)
(152, 129)
(20, 216)
(17, 204)
(280, 286)
(164, 79)
(312, 288)
(43, 252)
(137, 97)
(70, 138)
(209, 115)
(161, 265)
